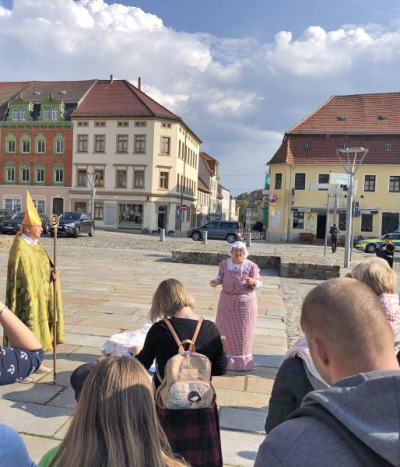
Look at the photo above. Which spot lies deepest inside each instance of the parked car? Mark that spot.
(75, 223)
(11, 226)
(218, 230)
(6, 214)
(369, 245)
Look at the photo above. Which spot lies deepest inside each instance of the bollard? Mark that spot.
(248, 239)
(204, 236)
(162, 235)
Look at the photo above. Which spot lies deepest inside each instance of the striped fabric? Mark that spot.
(237, 314)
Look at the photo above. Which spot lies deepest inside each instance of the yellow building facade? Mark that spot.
(307, 156)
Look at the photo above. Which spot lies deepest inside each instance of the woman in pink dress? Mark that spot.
(237, 306)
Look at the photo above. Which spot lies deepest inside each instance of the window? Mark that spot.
(12, 204)
(369, 183)
(46, 114)
(100, 143)
(342, 221)
(83, 123)
(100, 124)
(40, 147)
(165, 140)
(10, 174)
(394, 184)
(343, 146)
(122, 143)
(82, 179)
(164, 180)
(26, 146)
(140, 143)
(300, 181)
(307, 146)
(139, 179)
(82, 143)
(99, 173)
(80, 206)
(25, 174)
(388, 147)
(98, 211)
(367, 222)
(23, 115)
(140, 124)
(11, 145)
(15, 115)
(165, 125)
(177, 183)
(39, 175)
(59, 146)
(59, 175)
(122, 124)
(298, 220)
(323, 178)
(121, 178)
(54, 115)
(40, 205)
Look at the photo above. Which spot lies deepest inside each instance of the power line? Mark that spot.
(241, 175)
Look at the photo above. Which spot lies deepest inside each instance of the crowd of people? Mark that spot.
(334, 401)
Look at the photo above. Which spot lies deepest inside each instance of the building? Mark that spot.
(225, 200)
(307, 156)
(254, 210)
(36, 142)
(233, 209)
(144, 157)
(209, 174)
(203, 203)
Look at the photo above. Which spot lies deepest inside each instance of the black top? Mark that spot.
(161, 345)
(290, 386)
(390, 248)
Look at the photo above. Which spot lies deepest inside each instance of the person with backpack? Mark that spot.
(188, 351)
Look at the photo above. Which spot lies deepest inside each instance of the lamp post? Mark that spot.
(183, 183)
(348, 158)
(92, 178)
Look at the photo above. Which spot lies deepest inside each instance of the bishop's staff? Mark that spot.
(54, 222)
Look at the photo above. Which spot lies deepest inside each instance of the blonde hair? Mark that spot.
(115, 421)
(376, 273)
(170, 297)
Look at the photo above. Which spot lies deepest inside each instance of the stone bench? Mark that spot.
(287, 268)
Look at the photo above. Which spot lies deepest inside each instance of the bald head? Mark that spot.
(347, 318)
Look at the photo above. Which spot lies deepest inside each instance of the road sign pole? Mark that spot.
(326, 225)
(348, 221)
(335, 197)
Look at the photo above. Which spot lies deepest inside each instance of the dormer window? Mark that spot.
(55, 114)
(382, 117)
(23, 114)
(15, 115)
(307, 146)
(342, 118)
(343, 146)
(46, 114)
(388, 147)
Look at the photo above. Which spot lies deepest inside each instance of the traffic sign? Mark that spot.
(184, 207)
(318, 186)
(335, 191)
(339, 179)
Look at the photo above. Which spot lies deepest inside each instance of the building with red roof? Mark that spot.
(307, 156)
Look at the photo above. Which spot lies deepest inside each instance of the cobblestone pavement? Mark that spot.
(107, 289)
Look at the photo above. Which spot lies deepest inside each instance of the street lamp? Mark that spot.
(348, 158)
(92, 178)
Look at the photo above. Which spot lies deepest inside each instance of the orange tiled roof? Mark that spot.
(210, 163)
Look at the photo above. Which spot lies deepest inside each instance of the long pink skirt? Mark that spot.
(236, 319)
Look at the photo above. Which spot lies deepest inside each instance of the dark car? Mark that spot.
(6, 214)
(11, 226)
(75, 223)
(219, 230)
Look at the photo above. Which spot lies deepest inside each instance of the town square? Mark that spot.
(199, 233)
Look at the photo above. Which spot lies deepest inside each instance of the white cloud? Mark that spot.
(238, 95)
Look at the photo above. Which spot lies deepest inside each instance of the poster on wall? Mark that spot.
(310, 222)
(109, 213)
(275, 220)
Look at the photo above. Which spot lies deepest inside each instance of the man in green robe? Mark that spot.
(30, 282)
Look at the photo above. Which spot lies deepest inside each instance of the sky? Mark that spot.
(240, 74)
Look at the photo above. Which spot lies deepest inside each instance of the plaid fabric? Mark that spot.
(193, 435)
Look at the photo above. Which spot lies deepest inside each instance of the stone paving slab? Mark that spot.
(241, 419)
(38, 447)
(37, 393)
(240, 449)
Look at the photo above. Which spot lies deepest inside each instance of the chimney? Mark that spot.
(111, 79)
(139, 83)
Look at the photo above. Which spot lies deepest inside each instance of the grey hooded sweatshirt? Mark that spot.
(354, 423)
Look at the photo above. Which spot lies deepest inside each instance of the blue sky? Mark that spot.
(240, 76)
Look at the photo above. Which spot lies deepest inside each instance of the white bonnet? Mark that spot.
(239, 245)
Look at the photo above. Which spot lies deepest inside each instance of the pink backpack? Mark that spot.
(187, 377)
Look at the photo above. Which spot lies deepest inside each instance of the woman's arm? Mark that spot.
(219, 363)
(220, 277)
(148, 353)
(19, 335)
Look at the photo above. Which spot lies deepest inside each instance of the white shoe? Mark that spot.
(27, 380)
(43, 369)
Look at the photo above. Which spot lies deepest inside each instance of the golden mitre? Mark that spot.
(31, 215)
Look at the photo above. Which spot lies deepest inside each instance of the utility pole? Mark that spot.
(92, 178)
(348, 158)
(183, 183)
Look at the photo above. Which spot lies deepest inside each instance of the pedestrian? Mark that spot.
(389, 249)
(25, 355)
(334, 232)
(355, 422)
(115, 422)
(30, 278)
(193, 433)
(237, 306)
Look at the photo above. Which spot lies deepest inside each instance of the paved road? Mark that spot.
(107, 287)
